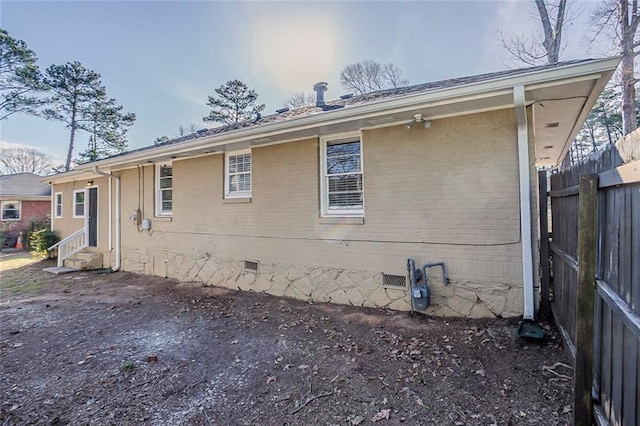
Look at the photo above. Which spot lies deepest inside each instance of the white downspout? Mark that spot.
(118, 215)
(525, 201)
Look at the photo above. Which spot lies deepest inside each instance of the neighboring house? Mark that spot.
(326, 203)
(23, 198)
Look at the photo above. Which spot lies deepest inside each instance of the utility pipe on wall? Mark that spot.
(525, 200)
(118, 213)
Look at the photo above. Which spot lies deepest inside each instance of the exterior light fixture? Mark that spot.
(417, 118)
(89, 183)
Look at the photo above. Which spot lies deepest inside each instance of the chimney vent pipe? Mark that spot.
(320, 88)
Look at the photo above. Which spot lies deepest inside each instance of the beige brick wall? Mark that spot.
(67, 224)
(448, 193)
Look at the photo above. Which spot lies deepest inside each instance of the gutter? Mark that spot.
(525, 200)
(502, 85)
(116, 267)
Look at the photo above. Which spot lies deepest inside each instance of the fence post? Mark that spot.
(583, 368)
(545, 302)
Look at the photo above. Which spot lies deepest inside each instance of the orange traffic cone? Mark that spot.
(19, 242)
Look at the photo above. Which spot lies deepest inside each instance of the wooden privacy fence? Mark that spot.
(595, 296)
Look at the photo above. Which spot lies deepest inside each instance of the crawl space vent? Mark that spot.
(394, 281)
(250, 266)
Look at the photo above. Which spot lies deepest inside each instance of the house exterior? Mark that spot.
(23, 199)
(326, 203)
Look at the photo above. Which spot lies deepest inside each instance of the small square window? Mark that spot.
(11, 210)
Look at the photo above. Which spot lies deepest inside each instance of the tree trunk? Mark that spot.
(629, 123)
(67, 165)
(72, 138)
(628, 24)
(552, 36)
(592, 136)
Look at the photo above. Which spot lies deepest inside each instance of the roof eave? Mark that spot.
(593, 68)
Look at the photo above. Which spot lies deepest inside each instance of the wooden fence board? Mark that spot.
(602, 202)
(616, 367)
(616, 329)
(624, 252)
(630, 378)
(605, 372)
(611, 237)
(543, 199)
(635, 249)
(638, 388)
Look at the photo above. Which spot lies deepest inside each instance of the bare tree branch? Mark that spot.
(369, 76)
(24, 160)
(534, 48)
(299, 99)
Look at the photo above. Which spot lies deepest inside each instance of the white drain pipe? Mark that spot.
(118, 213)
(525, 201)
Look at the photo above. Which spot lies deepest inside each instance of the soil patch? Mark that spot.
(81, 349)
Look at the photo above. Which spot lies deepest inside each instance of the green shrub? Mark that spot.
(41, 239)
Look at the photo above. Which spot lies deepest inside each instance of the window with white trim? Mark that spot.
(58, 205)
(10, 210)
(237, 176)
(164, 189)
(342, 182)
(78, 203)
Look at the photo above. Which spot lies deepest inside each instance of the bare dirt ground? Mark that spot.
(78, 349)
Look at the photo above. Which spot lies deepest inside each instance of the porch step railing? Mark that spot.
(70, 245)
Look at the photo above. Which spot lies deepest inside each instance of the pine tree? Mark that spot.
(107, 126)
(234, 103)
(80, 101)
(20, 77)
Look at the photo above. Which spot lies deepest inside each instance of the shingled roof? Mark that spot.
(23, 185)
(357, 100)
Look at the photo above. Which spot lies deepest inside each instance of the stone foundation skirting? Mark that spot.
(320, 284)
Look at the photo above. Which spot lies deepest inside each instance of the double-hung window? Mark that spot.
(10, 210)
(237, 177)
(342, 178)
(58, 205)
(78, 203)
(164, 189)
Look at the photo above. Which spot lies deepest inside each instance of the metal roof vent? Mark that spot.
(320, 88)
(281, 110)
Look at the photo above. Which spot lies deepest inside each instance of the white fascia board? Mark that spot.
(471, 91)
(71, 176)
(18, 197)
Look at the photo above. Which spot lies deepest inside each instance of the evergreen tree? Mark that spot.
(19, 77)
(603, 125)
(108, 127)
(234, 103)
(80, 101)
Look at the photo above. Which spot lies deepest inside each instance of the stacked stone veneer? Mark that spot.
(321, 284)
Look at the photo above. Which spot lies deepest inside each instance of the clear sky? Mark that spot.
(161, 59)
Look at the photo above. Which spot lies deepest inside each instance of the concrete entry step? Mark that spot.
(84, 260)
(59, 270)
